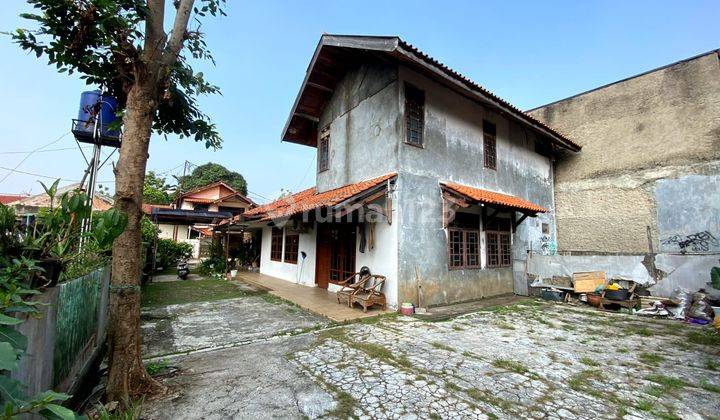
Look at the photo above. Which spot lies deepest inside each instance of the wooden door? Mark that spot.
(336, 243)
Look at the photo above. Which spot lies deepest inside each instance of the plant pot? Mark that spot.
(407, 309)
(594, 299)
(48, 278)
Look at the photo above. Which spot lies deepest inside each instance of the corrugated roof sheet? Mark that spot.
(491, 197)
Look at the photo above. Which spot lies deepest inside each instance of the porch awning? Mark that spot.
(477, 195)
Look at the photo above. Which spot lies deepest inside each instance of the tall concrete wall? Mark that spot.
(650, 157)
(453, 151)
(364, 126)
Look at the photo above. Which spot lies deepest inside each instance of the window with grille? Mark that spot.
(292, 243)
(464, 241)
(324, 150)
(276, 244)
(498, 244)
(489, 149)
(414, 115)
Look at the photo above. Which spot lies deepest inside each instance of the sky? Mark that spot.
(528, 52)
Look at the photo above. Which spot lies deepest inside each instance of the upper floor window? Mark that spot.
(276, 244)
(489, 145)
(201, 207)
(414, 115)
(324, 150)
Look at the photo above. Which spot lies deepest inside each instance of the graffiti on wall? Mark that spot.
(696, 242)
(547, 245)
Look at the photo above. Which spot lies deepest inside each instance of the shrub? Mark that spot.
(169, 252)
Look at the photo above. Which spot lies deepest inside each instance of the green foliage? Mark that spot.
(169, 252)
(212, 172)
(14, 301)
(103, 40)
(149, 230)
(216, 262)
(156, 190)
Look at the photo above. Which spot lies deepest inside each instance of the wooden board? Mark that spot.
(588, 281)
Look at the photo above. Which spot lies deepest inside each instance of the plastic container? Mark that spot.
(407, 309)
(554, 295)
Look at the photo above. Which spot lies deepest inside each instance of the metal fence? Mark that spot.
(64, 341)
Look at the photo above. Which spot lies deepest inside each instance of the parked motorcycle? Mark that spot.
(183, 269)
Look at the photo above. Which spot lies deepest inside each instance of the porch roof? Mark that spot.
(310, 199)
(495, 198)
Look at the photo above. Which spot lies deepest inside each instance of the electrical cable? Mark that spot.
(31, 153)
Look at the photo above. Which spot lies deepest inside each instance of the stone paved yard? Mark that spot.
(529, 360)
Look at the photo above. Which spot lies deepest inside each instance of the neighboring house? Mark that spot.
(27, 208)
(646, 186)
(196, 211)
(8, 199)
(423, 176)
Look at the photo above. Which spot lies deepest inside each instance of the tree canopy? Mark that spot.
(212, 172)
(156, 190)
(104, 40)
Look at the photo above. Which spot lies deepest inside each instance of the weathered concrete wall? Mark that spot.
(689, 271)
(660, 125)
(688, 211)
(453, 151)
(364, 125)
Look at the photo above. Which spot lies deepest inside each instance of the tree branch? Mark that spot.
(177, 36)
(154, 32)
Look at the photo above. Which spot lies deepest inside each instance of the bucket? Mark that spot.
(407, 308)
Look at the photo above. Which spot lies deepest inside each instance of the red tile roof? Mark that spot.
(310, 199)
(491, 197)
(10, 198)
(147, 208)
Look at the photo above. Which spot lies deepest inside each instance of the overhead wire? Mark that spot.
(31, 153)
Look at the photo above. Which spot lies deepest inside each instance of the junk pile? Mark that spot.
(622, 293)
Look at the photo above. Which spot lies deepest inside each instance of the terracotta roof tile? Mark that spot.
(491, 197)
(310, 199)
(10, 198)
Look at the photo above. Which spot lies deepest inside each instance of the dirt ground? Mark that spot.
(530, 359)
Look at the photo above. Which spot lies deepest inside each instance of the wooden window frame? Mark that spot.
(499, 255)
(464, 232)
(323, 161)
(489, 145)
(292, 247)
(276, 244)
(414, 95)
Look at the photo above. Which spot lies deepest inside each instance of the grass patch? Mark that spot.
(442, 346)
(479, 395)
(641, 331)
(623, 350)
(668, 383)
(177, 292)
(705, 336)
(588, 361)
(655, 391)
(345, 408)
(458, 328)
(707, 386)
(711, 365)
(650, 358)
(505, 326)
(513, 366)
(155, 368)
(644, 405)
(581, 381)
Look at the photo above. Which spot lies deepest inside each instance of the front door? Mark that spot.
(336, 245)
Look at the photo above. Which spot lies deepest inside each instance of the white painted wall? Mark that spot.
(287, 271)
(383, 258)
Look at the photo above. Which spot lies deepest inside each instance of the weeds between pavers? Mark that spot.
(650, 358)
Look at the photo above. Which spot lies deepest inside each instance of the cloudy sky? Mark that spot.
(530, 53)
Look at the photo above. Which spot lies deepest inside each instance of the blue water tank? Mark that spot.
(92, 104)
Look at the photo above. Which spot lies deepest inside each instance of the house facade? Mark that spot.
(423, 176)
(195, 212)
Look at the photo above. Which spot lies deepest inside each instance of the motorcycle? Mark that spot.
(183, 269)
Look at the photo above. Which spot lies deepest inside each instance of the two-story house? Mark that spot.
(196, 211)
(422, 175)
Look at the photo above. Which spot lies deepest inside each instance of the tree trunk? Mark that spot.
(128, 378)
